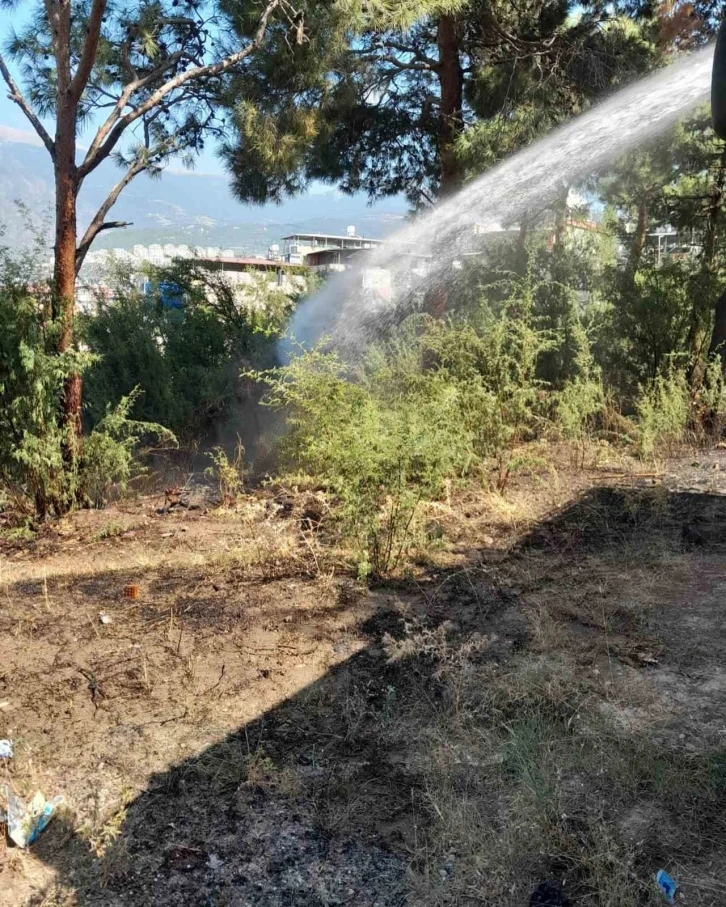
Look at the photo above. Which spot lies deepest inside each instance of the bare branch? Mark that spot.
(115, 224)
(99, 221)
(417, 54)
(17, 97)
(135, 85)
(101, 149)
(90, 49)
(399, 65)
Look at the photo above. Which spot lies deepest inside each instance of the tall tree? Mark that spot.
(144, 76)
(635, 188)
(413, 98)
(695, 202)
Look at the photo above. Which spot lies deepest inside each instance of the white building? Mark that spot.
(298, 246)
(156, 254)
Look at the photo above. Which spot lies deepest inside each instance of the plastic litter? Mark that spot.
(6, 749)
(103, 617)
(214, 862)
(26, 822)
(667, 885)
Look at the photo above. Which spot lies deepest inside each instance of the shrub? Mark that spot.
(110, 452)
(436, 400)
(186, 359)
(647, 321)
(377, 450)
(228, 472)
(33, 441)
(180, 359)
(581, 401)
(663, 410)
(710, 402)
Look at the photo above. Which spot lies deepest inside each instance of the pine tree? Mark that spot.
(416, 97)
(145, 75)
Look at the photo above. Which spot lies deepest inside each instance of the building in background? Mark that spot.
(246, 272)
(323, 251)
(669, 243)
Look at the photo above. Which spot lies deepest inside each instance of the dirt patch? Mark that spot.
(539, 697)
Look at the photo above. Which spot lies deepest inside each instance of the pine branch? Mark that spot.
(110, 133)
(90, 49)
(417, 54)
(17, 97)
(122, 102)
(399, 65)
(99, 222)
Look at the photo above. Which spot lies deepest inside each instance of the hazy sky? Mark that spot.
(17, 127)
(14, 127)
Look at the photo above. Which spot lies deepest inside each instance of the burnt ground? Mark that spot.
(544, 696)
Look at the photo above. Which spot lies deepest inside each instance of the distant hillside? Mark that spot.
(193, 208)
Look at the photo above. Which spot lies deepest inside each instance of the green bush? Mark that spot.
(180, 360)
(378, 450)
(708, 403)
(186, 360)
(437, 400)
(110, 450)
(647, 321)
(580, 404)
(663, 412)
(34, 467)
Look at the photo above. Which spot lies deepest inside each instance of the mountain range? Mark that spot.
(181, 207)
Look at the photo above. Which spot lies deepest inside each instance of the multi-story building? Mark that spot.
(245, 272)
(325, 251)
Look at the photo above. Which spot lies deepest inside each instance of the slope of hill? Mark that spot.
(181, 207)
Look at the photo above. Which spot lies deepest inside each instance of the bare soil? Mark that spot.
(541, 696)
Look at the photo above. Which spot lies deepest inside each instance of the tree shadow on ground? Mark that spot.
(323, 800)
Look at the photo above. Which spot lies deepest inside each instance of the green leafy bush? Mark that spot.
(377, 450)
(580, 403)
(186, 360)
(34, 466)
(110, 450)
(663, 411)
(437, 400)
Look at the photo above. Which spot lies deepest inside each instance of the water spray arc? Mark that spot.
(421, 255)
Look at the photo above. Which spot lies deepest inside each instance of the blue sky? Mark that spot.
(15, 127)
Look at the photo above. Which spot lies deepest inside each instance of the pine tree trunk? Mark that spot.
(708, 262)
(710, 244)
(64, 274)
(451, 84)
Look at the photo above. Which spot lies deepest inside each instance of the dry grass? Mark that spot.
(531, 698)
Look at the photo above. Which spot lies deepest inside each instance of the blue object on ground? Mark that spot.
(667, 885)
(172, 295)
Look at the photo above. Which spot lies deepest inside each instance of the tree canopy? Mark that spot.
(416, 98)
